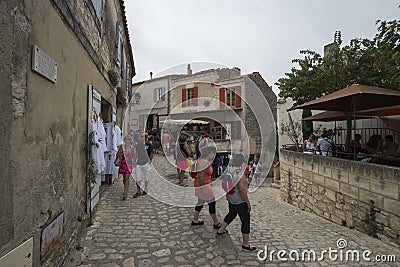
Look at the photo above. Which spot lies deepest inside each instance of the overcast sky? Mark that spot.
(254, 35)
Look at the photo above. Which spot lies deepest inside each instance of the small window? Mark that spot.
(118, 45)
(136, 97)
(159, 94)
(190, 96)
(98, 7)
(128, 77)
(230, 98)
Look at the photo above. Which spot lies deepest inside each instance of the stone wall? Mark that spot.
(350, 193)
(43, 124)
(254, 81)
(6, 225)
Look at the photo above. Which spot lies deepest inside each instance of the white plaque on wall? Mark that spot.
(43, 64)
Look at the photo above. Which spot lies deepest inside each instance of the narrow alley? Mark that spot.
(146, 232)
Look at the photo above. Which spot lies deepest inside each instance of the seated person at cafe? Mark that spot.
(325, 145)
(389, 146)
(310, 145)
(355, 145)
(396, 154)
(392, 159)
(374, 145)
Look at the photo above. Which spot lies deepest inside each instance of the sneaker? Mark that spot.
(198, 223)
(223, 233)
(250, 248)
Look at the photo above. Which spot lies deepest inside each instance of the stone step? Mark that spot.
(275, 185)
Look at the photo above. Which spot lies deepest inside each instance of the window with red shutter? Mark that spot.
(195, 96)
(221, 98)
(184, 97)
(238, 96)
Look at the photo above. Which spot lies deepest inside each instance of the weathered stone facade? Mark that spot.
(209, 83)
(350, 193)
(252, 125)
(152, 103)
(43, 123)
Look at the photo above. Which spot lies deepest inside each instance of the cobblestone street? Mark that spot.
(146, 232)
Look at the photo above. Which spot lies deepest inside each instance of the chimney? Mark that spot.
(189, 70)
(151, 75)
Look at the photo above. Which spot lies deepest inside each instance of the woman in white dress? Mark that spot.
(310, 145)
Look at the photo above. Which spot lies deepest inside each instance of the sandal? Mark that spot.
(223, 233)
(198, 223)
(217, 226)
(137, 194)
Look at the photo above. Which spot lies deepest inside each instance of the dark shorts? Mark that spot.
(211, 205)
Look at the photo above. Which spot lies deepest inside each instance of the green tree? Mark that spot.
(306, 126)
(373, 62)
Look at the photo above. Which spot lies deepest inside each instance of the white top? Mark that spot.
(117, 137)
(310, 145)
(257, 168)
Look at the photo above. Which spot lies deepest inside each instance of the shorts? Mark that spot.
(166, 146)
(181, 165)
(143, 172)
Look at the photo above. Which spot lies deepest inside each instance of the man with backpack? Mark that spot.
(325, 145)
(238, 200)
(145, 153)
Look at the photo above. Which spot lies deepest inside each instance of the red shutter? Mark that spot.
(238, 130)
(221, 98)
(195, 96)
(184, 97)
(238, 97)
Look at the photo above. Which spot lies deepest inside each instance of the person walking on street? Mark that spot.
(182, 154)
(166, 139)
(203, 188)
(145, 153)
(126, 158)
(257, 171)
(239, 203)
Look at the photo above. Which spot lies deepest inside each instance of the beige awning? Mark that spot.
(183, 122)
(354, 98)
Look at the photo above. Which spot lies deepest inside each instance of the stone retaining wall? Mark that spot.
(356, 195)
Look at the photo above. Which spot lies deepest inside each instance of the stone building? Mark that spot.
(149, 105)
(217, 96)
(58, 58)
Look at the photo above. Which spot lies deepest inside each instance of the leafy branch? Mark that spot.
(294, 133)
(91, 175)
(374, 62)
